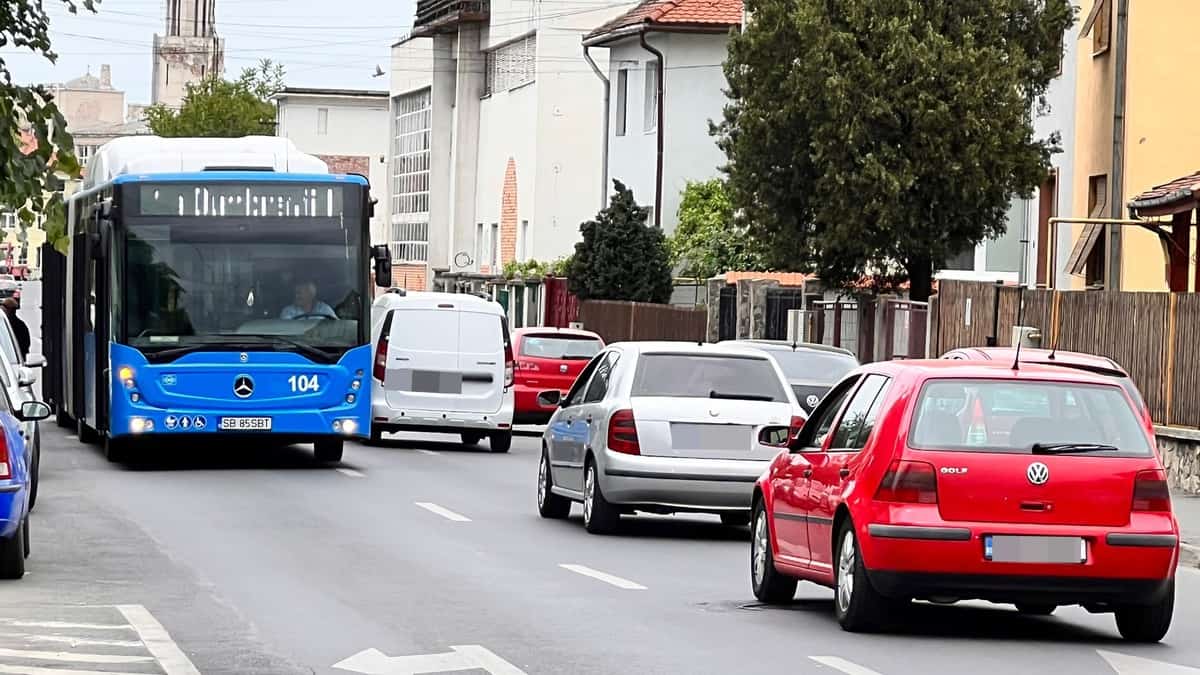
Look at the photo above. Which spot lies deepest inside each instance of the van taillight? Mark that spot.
(379, 370)
(622, 433)
(1150, 491)
(509, 366)
(909, 483)
(5, 470)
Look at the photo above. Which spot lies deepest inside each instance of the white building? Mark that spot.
(348, 130)
(666, 83)
(495, 155)
(1042, 261)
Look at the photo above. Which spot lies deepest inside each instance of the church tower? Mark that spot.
(189, 51)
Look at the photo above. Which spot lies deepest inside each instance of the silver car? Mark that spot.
(663, 427)
(811, 369)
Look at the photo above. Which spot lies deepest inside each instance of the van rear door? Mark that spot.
(423, 371)
(481, 339)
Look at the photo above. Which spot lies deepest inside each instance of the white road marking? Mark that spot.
(461, 657)
(35, 670)
(443, 512)
(158, 642)
(1124, 664)
(423, 451)
(63, 624)
(36, 655)
(351, 473)
(1190, 570)
(73, 641)
(604, 576)
(848, 667)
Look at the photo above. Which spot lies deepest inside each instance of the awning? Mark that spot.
(1083, 248)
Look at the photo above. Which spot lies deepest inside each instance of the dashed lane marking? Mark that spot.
(351, 472)
(38, 670)
(74, 641)
(65, 625)
(423, 451)
(848, 667)
(604, 576)
(37, 655)
(158, 641)
(443, 512)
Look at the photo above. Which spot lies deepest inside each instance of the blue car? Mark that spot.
(15, 477)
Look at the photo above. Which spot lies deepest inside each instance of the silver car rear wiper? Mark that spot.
(1071, 448)
(740, 397)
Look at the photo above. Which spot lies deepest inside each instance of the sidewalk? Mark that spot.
(1187, 511)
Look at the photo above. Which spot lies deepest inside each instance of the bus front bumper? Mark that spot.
(348, 422)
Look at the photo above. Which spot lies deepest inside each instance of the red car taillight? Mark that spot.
(795, 426)
(909, 483)
(622, 433)
(1150, 491)
(509, 366)
(5, 470)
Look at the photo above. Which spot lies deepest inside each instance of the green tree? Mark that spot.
(36, 151)
(215, 107)
(885, 136)
(707, 242)
(620, 256)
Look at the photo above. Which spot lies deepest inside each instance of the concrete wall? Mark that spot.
(507, 135)
(85, 108)
(356, 127)
(179, 61)
(1180, 449)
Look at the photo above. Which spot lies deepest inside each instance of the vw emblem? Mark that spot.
(1038, 473)
(812, 400)
(243, 386)
(243, 357)
(562, 368)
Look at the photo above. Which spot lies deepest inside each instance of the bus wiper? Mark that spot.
(739, 397)
(201, 345)
(302, 347)
(1071, 448)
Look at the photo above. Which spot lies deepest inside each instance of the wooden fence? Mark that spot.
(1152, 335)
(621, 321)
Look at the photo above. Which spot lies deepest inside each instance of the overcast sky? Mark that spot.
(322, 44)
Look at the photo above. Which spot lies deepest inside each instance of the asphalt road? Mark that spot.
(251, 559)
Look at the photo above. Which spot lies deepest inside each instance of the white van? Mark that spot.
(443, 363)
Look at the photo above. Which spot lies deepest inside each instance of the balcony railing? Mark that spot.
(436, 15)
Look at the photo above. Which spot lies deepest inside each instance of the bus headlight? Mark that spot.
(350, 398)
(356, 385)
(125, 373)
(135, 397)
(345, 427)
(138, 425)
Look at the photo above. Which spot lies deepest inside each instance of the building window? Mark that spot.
(524, 240)
(1087, 257)
(322, 121)
(510, 66)
(622, 95)
(495, 248)
(1099, 24)
(479, 245)
(411, 119)
(650, 121)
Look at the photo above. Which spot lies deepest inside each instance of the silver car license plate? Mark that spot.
(245, 424)
(1034, 549)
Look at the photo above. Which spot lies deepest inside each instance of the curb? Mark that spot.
(1189, 555)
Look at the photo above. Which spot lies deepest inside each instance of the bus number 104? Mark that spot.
(303, 383)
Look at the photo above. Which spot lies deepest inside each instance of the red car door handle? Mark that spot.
(844, 473)
(808, 473)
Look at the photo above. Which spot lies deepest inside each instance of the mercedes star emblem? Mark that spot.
(243, 357)
(243, 386)
(1038, 473)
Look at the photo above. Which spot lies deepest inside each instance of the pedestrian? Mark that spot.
(18, 326)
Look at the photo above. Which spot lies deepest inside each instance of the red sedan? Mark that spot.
(548, 359)
(949, 480)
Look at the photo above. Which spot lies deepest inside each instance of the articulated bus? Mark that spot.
(215, 287)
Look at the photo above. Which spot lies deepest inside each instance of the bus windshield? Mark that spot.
(197, 280)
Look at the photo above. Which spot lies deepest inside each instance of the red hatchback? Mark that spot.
(948, 480)
(548, 359)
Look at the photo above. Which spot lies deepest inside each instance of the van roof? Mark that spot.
(434, 300)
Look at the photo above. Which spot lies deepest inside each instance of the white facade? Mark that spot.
(693, 91)
(1010, 258)
(348, 130)
(514, 143)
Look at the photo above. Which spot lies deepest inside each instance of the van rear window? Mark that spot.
(1012, 416)
(708, 376)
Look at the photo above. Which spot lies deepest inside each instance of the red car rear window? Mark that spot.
(560, 347)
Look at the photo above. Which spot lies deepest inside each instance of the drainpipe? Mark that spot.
(1118, 147)
(658, 171)
(604, 139)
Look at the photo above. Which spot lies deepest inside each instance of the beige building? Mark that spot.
(96, 112)
(188, 52)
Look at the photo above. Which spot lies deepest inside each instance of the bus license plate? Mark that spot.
(245, 424)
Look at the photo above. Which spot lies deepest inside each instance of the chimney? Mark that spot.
(106, 76)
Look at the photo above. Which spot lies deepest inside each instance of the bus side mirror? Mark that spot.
(383, 265)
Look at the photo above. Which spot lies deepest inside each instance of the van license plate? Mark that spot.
(1030, 549)
(245, 424)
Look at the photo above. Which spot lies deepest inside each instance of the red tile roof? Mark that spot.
(665, 13)
(1180, 189)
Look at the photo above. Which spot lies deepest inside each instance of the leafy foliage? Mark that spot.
(215, 107)
(707, 242)
(36, 151)
(535, 268)
(621, 257)
(876, 136)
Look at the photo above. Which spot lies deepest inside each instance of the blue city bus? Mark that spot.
(224, 301)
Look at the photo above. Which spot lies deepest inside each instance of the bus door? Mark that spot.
(100, 313)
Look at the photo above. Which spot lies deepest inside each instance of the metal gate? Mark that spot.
(727, 313)
(780, 301)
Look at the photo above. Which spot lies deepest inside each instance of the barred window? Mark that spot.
(410, 242)
(411, 123)
(510, 66)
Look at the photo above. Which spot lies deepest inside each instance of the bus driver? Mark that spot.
(306, 305)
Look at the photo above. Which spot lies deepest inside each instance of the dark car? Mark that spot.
(811, 369)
